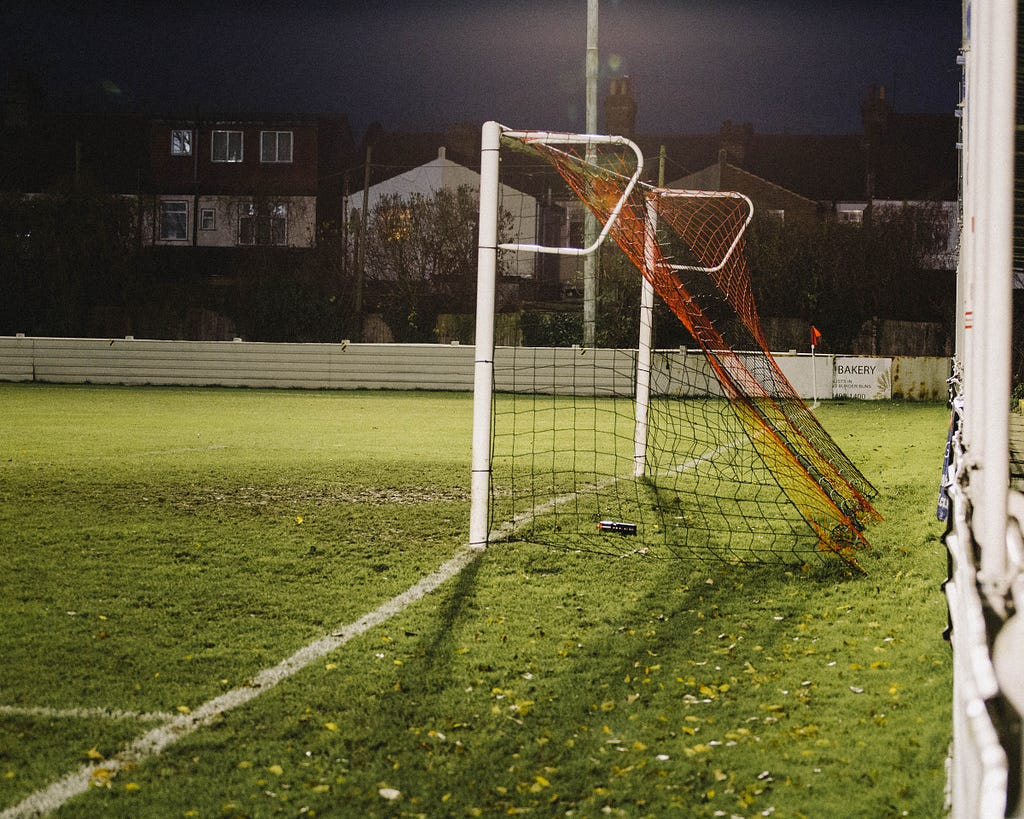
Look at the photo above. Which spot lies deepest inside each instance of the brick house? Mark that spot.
(233, 182)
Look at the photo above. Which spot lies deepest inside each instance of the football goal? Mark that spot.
(702, 451)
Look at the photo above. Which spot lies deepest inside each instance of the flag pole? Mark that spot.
(815, 336)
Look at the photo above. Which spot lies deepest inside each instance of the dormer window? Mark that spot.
(181, 142)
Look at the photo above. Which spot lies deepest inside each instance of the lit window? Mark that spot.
(181, 142)
(174, 220)
(207, 219)
(263, 224)
(275, 146)
(227, 146)
(396, 223)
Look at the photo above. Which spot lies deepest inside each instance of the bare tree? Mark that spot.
(421, 259)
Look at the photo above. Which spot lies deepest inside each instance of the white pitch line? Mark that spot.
(153, 742)
(85, 713)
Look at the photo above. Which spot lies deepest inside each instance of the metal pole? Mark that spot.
(361, 250)
(589, 220)
(483, 367)
(996, 52)
(646, 340)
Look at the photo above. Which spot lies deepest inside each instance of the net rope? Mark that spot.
(739, 468)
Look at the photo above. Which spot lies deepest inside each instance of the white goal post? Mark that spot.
(647, 208)
(487, 266)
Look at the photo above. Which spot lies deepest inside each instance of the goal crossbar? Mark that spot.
(561, 138)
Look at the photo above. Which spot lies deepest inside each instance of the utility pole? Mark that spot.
(361, 249)
(589, 220)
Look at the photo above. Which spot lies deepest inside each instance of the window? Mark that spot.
(227, 146)
(262, 224)
(777, 215)
(275, 146)
(181, 142)
(395, 222)
(207, 219)
(850, 215)
(174, 220)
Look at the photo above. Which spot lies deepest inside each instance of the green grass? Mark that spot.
(160, 546)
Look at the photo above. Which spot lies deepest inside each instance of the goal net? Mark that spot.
(702, 451)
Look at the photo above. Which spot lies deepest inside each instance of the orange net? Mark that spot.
(689, 246)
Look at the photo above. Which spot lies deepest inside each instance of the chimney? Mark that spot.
(875, 115)
(620, 109)
(875, 112)
(441, 152)
(734, 141)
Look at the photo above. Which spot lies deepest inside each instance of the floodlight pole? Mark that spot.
(589, 220)
(483, 358)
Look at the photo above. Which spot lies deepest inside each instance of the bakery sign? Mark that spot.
(861, 377)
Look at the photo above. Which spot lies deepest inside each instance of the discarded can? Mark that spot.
(617, 527)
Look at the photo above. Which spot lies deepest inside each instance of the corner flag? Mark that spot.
(815, 336)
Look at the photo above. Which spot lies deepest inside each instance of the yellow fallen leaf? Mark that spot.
(132, 786)
(331, 726)
(276, 770)
(92, 753)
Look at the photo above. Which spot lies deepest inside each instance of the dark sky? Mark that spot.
(800, 66)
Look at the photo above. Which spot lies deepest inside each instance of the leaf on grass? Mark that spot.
(276, 770)
(389, 793)
(92, 753)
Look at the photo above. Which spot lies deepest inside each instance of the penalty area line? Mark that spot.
(156, 740)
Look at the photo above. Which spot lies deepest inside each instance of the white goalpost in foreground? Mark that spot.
(985, 541)
(704, 453)
(487, 267)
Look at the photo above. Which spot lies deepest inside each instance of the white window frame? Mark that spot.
(276, 155)
(850, 214)
(180, 212)
(181, 142)
(207, 218)
(226, 137)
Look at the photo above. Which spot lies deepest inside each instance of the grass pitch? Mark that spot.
(163, 546)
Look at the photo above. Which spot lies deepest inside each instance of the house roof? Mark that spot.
(914, 158)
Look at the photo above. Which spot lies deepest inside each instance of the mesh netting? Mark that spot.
(736, 466)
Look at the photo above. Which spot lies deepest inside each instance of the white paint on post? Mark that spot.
(483, 372)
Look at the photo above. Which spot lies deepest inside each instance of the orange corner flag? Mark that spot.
(815, 336)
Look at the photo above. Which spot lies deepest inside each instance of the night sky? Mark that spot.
(798, 66)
